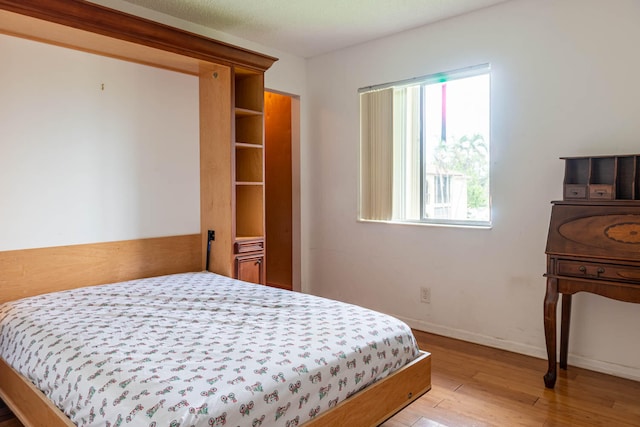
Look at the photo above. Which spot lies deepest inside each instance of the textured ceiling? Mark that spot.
(312, 27)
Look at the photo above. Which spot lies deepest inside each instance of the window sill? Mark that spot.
(430, 224)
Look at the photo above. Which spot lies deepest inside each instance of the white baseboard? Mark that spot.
(628, 372)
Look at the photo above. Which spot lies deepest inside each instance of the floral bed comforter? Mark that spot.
(198, 349)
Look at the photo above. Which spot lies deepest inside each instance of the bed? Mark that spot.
(356, 406)
(198, 349)
(32, 272)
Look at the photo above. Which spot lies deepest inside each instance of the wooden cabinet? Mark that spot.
(592, 245)
(250, 260)
(250, 268)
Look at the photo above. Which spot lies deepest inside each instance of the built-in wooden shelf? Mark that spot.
(249, 175)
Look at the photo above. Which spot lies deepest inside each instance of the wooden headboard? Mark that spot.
(36, 271)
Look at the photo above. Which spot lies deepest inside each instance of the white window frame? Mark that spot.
(422, 81)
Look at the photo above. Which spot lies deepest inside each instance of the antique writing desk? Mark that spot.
(593, 243)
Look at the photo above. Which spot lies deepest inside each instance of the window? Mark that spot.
(424, 149)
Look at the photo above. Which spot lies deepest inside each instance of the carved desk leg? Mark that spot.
(550, 304)
(564, 329)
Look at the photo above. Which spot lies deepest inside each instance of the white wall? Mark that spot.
(94, 149)
(564, 83)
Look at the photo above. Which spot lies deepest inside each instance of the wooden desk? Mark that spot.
(593, 246)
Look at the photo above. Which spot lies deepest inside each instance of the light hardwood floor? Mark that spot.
(473, 385)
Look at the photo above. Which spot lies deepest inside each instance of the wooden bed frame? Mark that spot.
(85, 26)
(35, 271)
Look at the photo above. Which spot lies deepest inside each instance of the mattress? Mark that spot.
(198, 349)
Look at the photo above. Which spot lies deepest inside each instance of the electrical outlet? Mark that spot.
(425, 295)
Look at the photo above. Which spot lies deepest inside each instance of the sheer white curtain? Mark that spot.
(376, 154)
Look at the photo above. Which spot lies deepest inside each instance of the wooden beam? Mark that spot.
(216, 166)
(66, 17)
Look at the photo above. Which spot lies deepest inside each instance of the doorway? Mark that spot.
(282, 189)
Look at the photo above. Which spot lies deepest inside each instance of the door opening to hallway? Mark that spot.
(282, 190)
